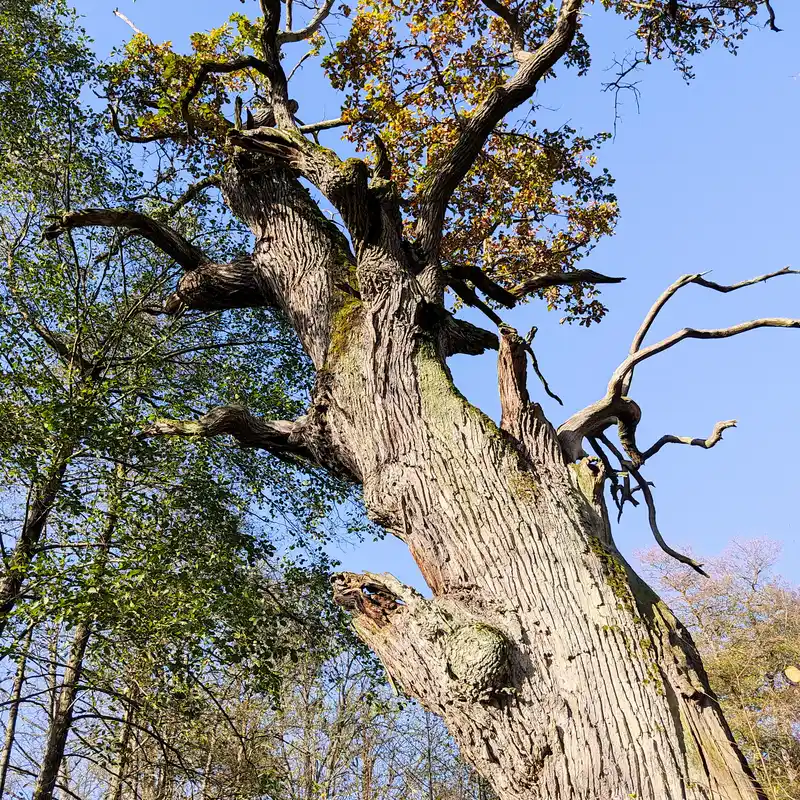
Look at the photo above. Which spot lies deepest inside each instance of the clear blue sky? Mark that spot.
(708, 178)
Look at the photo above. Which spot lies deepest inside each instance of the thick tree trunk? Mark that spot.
(558, 672)
(13, 710)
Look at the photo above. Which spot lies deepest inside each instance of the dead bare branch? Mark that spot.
(685, 280)
(706, 444)
(617, 407)
(616, 383)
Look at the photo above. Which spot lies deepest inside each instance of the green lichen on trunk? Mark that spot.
(345, 322)
(616, 574)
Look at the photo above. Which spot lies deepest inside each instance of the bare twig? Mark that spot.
(706, 444)
(119, 14)
(644, 487)
(651, 513)
(285, 37)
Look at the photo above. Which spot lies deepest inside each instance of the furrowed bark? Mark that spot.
(557, 671)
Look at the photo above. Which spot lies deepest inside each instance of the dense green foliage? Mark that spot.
(186, 560)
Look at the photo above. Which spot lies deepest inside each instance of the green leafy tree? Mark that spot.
(132, 567)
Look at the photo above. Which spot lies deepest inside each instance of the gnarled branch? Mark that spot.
(706, 444)
(616, 406)
(190, 194)
(280, 437)
(129, 137)
(170, 241)
(617, 381)
(211, 287)
(644, 488)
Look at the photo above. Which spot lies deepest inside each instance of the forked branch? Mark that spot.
(699, 279)
(285, 37)
(512, 20)
(617, 384)
(344, 183)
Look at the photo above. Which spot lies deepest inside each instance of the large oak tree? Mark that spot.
(558, 671)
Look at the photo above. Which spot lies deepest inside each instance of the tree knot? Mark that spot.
(478, 660)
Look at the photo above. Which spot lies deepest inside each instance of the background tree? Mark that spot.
(556, 669)
(746, 623)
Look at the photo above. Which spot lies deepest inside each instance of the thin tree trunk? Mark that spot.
(13, 710)
(62, 718)
(118, 781)
(207, 770)
(40, 503)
